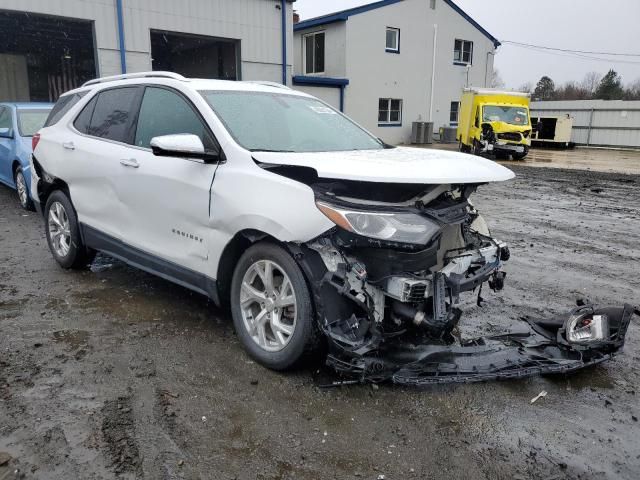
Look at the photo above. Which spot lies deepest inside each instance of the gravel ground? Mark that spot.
(113, 373)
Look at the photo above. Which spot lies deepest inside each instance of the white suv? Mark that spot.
(268, 200)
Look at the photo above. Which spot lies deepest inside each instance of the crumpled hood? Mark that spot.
(395, 165)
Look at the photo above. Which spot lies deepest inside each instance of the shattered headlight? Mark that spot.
(393, 227)
(586, 327)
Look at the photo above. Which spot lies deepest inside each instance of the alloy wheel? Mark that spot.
(268, 305)
(59, 229)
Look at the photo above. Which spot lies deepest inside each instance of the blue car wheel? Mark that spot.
(23, 190)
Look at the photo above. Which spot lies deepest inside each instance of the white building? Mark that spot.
(51, 46)
(393, 62)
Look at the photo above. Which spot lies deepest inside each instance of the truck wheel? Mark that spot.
(521, 156)
(63, 233)
(271, 307)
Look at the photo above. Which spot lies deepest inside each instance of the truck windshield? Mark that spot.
(506, 114)
(30, 121)
(274, 122)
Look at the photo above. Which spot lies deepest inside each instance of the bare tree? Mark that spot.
(526, 87)
(572, 91)
(590, 82)
(496, 80)
(632, 92)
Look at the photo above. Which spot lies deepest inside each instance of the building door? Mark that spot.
(195, 56)
(48, 56)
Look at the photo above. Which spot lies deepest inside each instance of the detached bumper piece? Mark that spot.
(587, 336)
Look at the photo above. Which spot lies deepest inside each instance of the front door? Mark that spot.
(167, 199)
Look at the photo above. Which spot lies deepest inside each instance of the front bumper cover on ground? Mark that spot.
(534, 347)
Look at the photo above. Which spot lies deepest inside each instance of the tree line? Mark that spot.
(594, 86)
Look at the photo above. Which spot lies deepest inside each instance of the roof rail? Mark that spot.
(127, 76)
(267, 84)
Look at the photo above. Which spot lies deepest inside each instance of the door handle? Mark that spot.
(69, 146)
(129, 162)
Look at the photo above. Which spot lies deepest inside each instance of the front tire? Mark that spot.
(63, 233)
(23, 190)
(271, 307)
(520, 156)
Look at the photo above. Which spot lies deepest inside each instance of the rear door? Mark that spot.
(93, 157)
(167, 199)
(6, 145)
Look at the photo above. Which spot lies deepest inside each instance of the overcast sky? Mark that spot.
(586, 25)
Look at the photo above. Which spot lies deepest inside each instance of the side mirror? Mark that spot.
(6, 133)
(183, 145)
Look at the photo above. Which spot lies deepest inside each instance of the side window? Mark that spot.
(164, 112)
(5, 118)
(83, 121)
(390, 111)
(113, 113)
(462, 52)
(478, 117)
(454, 113)
(314, 52)
(393, 40)
(62, 106)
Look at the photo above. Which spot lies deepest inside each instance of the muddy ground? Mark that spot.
(113, 373)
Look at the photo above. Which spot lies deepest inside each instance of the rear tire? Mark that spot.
(271, 306)
(63, 233)
(23, 190)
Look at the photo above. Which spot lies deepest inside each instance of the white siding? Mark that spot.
(335, 50)
(613, 122)
(326, 94)
(373, 73)
(256, 23)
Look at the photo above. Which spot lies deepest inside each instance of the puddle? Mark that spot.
(594, 159)
(73, 338)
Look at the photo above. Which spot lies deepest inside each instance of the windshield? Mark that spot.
(506, 114)
(274, 122)
(30, 121)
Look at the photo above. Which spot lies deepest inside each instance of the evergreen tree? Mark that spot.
(610, 87)
(545, 89)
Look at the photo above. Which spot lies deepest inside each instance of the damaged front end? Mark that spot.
(388, 281)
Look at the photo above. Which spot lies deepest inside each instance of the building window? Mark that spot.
(463, 52)
(389, 112)
(314, 52)
(454, 112)
(433, 4)
(393, 40)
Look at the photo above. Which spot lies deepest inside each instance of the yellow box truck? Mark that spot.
(494, 122)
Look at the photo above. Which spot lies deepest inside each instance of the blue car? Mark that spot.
(18, 123)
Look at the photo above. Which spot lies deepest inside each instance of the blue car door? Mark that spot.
(6, 144)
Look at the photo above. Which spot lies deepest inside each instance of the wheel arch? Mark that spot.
(230, 256)
(49, 184)
(14, 167)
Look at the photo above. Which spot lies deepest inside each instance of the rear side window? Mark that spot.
(164, 112)
(62, 106)
(111, 115)
(83, 121)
